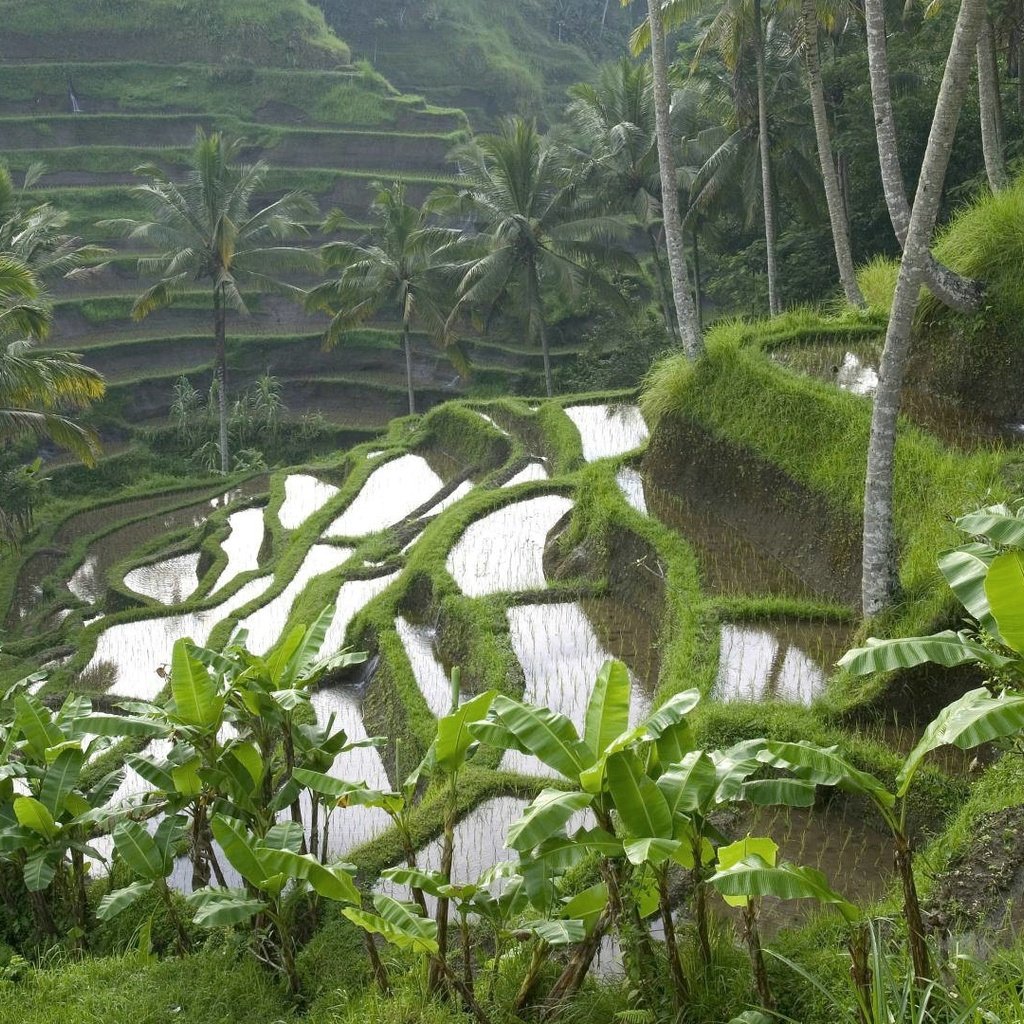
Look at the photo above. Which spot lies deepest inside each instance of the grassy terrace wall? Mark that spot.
(474, 633)
(817, 435)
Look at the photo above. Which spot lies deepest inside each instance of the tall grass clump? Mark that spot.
(877, 280)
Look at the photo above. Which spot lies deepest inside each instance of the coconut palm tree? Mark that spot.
(879, 580)
(652, 34)
(538, 228)
(957, 292)
(36, 232)
(736, 30)
(400, 266)
(204, 230)
(613, 124)
(809, 24)
(39, 391)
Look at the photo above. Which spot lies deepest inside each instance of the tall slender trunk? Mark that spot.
(689, 332)
(549, 386)
(829, 174)
(575, 971)
(764, 145)
(988, 107)
(957, 292)
(698, 298)
(407, 343)
(221, 372)
(664, 298)
(880, 578)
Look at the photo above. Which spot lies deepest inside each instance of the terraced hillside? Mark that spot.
(328, 127)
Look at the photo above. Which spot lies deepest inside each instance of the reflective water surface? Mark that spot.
(504, 551)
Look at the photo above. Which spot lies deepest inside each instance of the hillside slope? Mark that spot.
(518, 56)
(334, 131)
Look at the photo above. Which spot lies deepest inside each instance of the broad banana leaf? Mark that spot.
(734, 853)
(965, 569)
(219, 908)
(1004, 588)
(454, 737)
(824, 766)
(545, 817)
(976, 718)
(120, 900)
(608, 707)
(395, 922)
(547, 735)
(193, 689)
(946, 648)
(754, 876)
(997, 523)
(638, 801)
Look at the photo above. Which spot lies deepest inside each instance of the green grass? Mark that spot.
(818, 435)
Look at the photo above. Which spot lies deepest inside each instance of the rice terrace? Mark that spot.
(511, 513)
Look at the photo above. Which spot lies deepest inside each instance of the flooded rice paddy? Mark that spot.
(388, 496)
(453, 499)
(608, 430)
(530, 473)
(631, 483)
(430, 674)
(170, 581)
(303, 496)
(504, 551)
(561, 656)
(266, 624)
(242, 545)
(352, 598)
(782, 660)
(133, 651)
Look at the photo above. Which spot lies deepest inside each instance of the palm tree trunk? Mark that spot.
(548, 380)
(879, 577)
(221, 371)
(764, 144)
(693, 342)
(663, 293)
(988, 106)
(957, 292)
(698, 299)
(406, 341)
(912, 908)
(829, 174)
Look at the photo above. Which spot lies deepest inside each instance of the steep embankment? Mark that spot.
(489, 59)
(92, 101)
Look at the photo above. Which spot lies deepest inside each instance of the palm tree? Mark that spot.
(652, 34)
(737, 32)
(38, 390)
(538, 229)
(950, 288)
(36, 232)
(614, 125)
(879, 581)
(203, 230)
(399, 265)
(829, 173)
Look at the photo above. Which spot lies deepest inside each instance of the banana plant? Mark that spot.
(977, 717)
(273, 867)
(652, 795)
(47, 813)
(748, 871)
(237, 734)
(987, 576)
(151, 860)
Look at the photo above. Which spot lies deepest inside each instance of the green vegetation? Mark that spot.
(293, 32)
